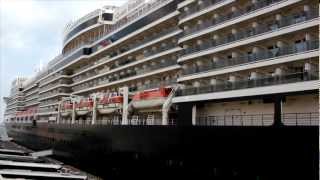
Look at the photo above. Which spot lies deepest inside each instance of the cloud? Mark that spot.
(24, 12)
(22, 19)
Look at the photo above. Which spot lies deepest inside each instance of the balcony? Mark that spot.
(210, 44)
(132, 74)
(32, 92)
(255, 57)
(244, 84)
(49, 102)
(148, 41)
(226, 17)
(138, 120)
(82, 68)
(53, 94)
(35, 97)
(32, 103)
(301, 119)
(16, 102)
(197, 8)
(288, 119)
(16, 107)
(121, 23)
(144, 120)
(51, 79)
(112, 69)
(153, 85)
(61, 83)
(71, 57)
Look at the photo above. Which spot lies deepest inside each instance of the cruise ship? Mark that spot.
(172, 79)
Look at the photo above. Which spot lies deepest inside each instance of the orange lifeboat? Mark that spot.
(150, 98)
(19, 114)
(30, 112)
(66, 109)
(109, 104)
(84, 106)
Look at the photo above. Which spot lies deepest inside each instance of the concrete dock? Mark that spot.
(18, 162)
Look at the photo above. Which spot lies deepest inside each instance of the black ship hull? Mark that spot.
(187, 151)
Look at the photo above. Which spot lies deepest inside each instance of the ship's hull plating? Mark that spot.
(190, 151)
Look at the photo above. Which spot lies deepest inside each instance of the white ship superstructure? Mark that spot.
(224, 62)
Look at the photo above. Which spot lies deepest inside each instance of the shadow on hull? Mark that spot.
(181, 152)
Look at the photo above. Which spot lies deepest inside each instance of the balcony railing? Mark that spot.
(301, 119)
(44, 103)
(15, 102)
(132, 46)
(196, 8)
(31, 103)
(122, 63)
(54, 93)
(115, 120)
(157, 84)
(127, 75)
(288, 119)
(76, 53)
(244, 84)
(152, 37)
(142, 121)
(52, 110)
(236, 120)
(133, 73)
(122, 22)
(286, 21)
(254, 57)
(47, 87)
(232, 15)
(48, 80)
(126, 21)
(35, 97)
(32, 92)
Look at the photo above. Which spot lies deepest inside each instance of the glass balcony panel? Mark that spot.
(243, 84)
(253, 57)
(260, 4)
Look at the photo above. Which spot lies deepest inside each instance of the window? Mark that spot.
(300, 45)
(274, 49)
(250, 55)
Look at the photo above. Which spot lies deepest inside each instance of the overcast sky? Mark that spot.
(31, 31)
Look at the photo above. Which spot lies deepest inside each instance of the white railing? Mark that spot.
(70, 26)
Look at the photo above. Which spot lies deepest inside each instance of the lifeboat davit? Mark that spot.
(109, 104)
(66, 109)
(84, 107)
(154, 98)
